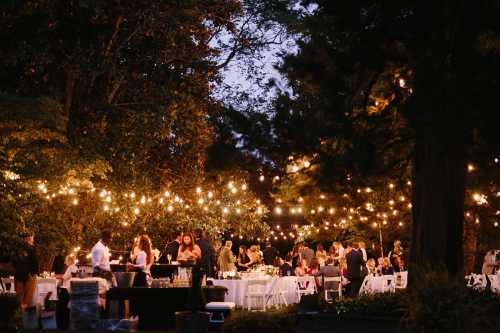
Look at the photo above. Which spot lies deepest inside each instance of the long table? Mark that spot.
(155, 307)
(157, 270)
(237, 288)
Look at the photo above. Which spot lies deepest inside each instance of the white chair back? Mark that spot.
(389, 283)
(495, 283)
(364, 289)
(306, 285)
(401, 279)
(329, 286)
(8, 284)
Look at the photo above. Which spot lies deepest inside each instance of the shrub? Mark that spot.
(279, 321)
(385, 305)
(439, 303)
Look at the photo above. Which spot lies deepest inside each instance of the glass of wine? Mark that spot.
(169, 258)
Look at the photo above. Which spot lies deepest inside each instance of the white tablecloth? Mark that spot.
(237, 288)
(42, 287)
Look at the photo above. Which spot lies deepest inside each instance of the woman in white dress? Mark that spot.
(143, 261)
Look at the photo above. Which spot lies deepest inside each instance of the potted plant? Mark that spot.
(195, 319)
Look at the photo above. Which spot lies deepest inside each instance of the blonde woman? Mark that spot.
(254, 255)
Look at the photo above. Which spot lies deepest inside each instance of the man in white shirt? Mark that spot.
(100, 256)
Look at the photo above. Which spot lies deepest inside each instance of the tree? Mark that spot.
(35, 150)
(376, 94)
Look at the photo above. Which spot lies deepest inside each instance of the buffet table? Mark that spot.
(155, 307)
(157, 270)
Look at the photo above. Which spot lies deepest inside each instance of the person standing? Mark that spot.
(226, 258)
(338, 251)
(100, 257)
(307, 253)
(172, 249)
(26, 270)
(354, 263)
(362, 248)
(143, 261)
(287, 268)
(188, 251)
(270, 254)
(207, 253)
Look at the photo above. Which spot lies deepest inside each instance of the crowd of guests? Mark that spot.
(352, 262)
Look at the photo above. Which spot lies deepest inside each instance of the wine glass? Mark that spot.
(169, 258)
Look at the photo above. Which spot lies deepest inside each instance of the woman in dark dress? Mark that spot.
(243, 259)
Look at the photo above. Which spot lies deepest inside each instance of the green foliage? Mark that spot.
(280, 321)
(438, 302)
(378, 305)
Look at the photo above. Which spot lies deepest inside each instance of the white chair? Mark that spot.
(477, 282)
(43, 288)
(328, 286)
(257, 290)
(365, 286)
(306, 285)
(8, 284)
(277, 294)
(495, 283)
(389, 283)
(401, 280)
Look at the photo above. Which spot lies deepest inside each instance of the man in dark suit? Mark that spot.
(286, 269)
(207, 252)
(172, 248)
(270, 254)
(354, 265)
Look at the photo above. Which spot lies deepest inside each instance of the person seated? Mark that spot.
(188, 250)
(386, 267)
(371, 267)
(243, 259)
(286, 269)
(301, 269)
(254, 255)
(329, 270)
(399, 265)
(313, 267)
(71, 269)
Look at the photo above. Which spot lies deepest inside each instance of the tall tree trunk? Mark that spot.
(445, 42)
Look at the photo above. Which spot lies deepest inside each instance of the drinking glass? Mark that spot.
(169, 258)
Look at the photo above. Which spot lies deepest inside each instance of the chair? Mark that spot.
(365, 288)
(305, 286)
(495, 283)
(8, 284)
(257, 289)
(277, 294)
(332, 281)
(401, 280)
(477, 282)
(389, 283)
(45, 287)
